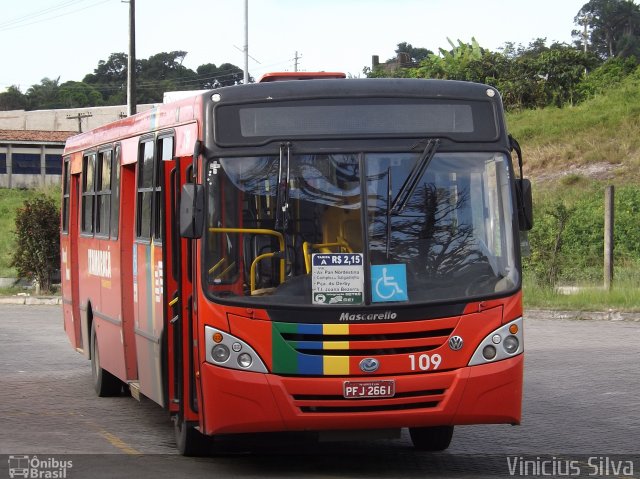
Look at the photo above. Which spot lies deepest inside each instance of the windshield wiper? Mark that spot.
(282, 192)
(410, 184)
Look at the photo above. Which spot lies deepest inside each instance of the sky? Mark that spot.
(67, 38)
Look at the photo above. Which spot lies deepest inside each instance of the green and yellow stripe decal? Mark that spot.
(293, 355)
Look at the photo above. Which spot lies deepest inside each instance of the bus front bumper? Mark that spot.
(242, 402)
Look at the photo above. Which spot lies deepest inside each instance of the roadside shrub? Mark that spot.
(607, 76)
(37, 235)
(567, 241)
(547, 240)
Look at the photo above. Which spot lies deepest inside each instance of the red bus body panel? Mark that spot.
(459, 394)
(120, 285)
(487, 394)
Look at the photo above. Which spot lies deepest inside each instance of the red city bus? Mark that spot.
(322, 255)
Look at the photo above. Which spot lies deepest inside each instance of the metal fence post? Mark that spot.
(608, 236)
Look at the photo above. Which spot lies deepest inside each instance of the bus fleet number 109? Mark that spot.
(425, 362)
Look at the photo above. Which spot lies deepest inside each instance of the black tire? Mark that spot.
(435, 438)
(104, 383)
(189, 441)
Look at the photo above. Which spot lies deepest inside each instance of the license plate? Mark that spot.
(369, 389)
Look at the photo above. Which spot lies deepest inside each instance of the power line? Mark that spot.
(195, 80)
(38, 13)
(112, 87)
(19, 23)
(198, 78)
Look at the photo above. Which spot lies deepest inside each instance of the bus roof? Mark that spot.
(280, 76)
(191, 109)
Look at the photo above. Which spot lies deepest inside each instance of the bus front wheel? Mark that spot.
(435, 438)
(104, 383)
(189, 441)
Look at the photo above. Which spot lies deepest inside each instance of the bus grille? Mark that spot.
(319, 404)
(366, 340)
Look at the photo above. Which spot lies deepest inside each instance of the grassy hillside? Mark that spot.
(571, 155)
(598, 139)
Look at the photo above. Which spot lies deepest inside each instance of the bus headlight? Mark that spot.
(228, 351)
(511, 344)
(503, 343)
(489, 352)
(245, 360)
(220, 353)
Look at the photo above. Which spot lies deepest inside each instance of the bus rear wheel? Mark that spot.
(189, 441)
(435, 438)
(104, 383)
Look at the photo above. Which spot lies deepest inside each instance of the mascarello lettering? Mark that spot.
(383, 316)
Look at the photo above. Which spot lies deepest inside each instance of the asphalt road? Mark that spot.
(582, 382)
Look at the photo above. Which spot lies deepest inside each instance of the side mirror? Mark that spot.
(191, 211)
(525, 204)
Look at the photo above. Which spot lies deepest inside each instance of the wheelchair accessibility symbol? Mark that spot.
(388, 283)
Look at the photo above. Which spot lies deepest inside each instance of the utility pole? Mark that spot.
(246, 42)
(131, 63)
(79, 117)
(295, 62)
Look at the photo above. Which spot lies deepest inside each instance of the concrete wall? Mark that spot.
(56, 120)
(28, 181)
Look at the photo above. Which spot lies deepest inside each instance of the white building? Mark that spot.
(31, 158)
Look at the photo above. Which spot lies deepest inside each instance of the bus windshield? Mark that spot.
(437, 231)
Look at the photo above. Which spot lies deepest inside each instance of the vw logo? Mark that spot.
(455, 343)
(369, 365)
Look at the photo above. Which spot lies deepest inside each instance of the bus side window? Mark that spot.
(88, 192)
(145, 190)
(103, 192)
(115, 193)
(165, 153)
(66, 187)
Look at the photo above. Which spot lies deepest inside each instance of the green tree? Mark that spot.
(612, 27)
(165, 66)
(415, 54)
(112, 70)
(44, 95)
(528, 77)
(610, 74)
(157, 74)
(107, 85)
(13, 99)
(211, 76)
(37, 253)
(74, 94)
(110, 78)
(453, 64)
(562, 68)
(164, 72)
